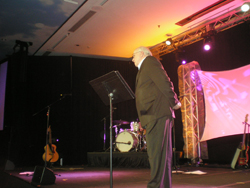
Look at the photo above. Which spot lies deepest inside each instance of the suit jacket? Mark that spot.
(154, 92)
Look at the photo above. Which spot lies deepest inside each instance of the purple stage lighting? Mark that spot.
(207, 47)
(183, 62)
(208, 43)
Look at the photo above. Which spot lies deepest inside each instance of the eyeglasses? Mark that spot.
(135, 53)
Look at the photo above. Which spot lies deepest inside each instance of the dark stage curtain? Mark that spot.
(76, 120)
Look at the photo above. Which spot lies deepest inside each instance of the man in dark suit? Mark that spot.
(155, 103)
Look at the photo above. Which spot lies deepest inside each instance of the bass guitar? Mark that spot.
(50, 154)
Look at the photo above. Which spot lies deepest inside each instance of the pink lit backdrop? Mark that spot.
(227, 101)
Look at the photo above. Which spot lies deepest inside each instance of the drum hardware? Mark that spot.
(141, 134)
(123, 142)
(134, 126)
(144, 148)
(120, 125)
(117, 130)
(120, 122)
(113, 147)
(143, 143)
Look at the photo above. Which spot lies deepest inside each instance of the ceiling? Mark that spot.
(109, 29)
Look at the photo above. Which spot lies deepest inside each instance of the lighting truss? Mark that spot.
(192, 110)
(193, 35)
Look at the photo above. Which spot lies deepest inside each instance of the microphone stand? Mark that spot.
(112, 88)
(47, 141)
(110, 139)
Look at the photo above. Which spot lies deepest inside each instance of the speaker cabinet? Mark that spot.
(43, 176)
(9, 165)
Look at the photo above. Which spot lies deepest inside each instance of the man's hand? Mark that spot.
(177, 106)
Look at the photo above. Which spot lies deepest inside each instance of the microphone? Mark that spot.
(64, 95)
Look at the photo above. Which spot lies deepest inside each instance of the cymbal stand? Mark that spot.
(104, 130)
(140, 140)
(104, 134)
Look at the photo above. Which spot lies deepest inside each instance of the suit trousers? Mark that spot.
(159, 149)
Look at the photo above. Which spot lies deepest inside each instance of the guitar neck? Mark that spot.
(50, 135)
(244, 136)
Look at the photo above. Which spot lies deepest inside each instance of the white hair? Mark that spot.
(144, 49)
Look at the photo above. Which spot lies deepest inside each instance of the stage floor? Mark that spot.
(207, 176)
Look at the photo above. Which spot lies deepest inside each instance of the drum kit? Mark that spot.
(129, 138)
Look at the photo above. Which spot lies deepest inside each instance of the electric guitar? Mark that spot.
(243, 159)
(50, 154)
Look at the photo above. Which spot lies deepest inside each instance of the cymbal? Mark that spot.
(120, 122)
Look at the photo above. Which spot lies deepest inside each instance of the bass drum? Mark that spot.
(125, 141)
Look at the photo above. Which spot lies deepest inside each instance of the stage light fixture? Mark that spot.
(183, 62)
(207, 47)
(207, 43)
(208, 39)
(245, 7)
(22, 45)
(169, 42)
(180, 56)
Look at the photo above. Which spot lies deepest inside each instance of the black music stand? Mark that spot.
(112, 88)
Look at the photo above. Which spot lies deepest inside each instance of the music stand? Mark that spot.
(112, 89)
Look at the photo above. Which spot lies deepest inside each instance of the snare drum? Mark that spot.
(125, 141)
